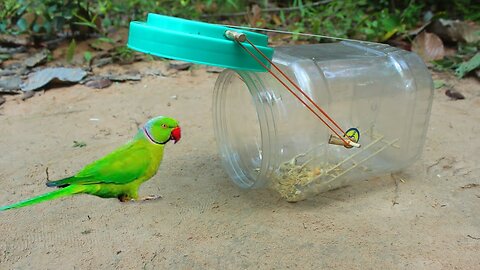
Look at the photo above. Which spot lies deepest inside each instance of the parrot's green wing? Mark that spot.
(119, 167)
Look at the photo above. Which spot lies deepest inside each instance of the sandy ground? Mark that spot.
(427, 217)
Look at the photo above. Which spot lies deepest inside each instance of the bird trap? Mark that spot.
(302, 177)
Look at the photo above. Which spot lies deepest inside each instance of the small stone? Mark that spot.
(27, 94)
(38, 58)
(42, 77)
(10, 83)
(99, 83)
(151, 72)
(213, 69)
(179, 65)
(129, 76)
(100, 62)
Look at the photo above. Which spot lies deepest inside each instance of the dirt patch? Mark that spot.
(204, 221)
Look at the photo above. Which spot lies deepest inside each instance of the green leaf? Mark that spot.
(36, 27)
(105, 39)
(232, 3)
(71, 51)
(107, 22)
(87, 24)
(447, 63)
(22, 9)
(468, 66)
(67, 14)
(88, 57)
(47, 26)
(49, 57)
(52, 9)
(58, 23)
(467, 49)
(438, 84)
(389, 21)
(22, 25)
(4, 57)
(389, 34)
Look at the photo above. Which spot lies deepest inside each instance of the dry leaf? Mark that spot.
(255, 17)
(276, 20)
(71, 51)
(454, 94)
(429, 46)
(456, 30)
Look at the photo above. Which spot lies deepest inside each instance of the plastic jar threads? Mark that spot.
(267, 138)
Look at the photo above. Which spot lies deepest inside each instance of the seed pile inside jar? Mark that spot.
(295, 181)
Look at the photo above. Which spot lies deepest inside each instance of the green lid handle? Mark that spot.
(196, 42)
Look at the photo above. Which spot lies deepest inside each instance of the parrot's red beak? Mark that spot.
(176, 134)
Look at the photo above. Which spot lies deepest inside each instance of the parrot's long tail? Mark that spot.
(59, 193)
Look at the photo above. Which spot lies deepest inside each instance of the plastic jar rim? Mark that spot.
(266, 126)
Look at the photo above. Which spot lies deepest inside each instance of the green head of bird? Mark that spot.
(161, 130)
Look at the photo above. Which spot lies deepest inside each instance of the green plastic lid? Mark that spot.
(196, 42)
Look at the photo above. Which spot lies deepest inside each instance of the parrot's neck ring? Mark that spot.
(151, 139)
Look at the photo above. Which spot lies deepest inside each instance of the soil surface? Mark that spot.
(427, 217)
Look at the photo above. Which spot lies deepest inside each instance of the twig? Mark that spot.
(473, 237)
(394, 200)
(472, 185)
(435, 163)
(268, 10)
(48, 176)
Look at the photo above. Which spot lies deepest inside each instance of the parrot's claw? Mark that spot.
(151, 198)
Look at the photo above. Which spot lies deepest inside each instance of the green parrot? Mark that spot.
(120, 173)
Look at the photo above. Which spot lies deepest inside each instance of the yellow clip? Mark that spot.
(352, 136)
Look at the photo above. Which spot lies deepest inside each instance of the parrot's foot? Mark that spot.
(151, 198)
(124, 198)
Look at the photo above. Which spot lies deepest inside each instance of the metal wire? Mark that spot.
(300, 34)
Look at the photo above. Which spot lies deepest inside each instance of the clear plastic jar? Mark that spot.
(267, 138)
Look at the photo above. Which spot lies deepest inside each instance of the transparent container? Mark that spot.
(267, 138)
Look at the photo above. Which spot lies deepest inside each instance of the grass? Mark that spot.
(373, 20)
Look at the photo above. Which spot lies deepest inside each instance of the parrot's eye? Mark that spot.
(164, 126)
